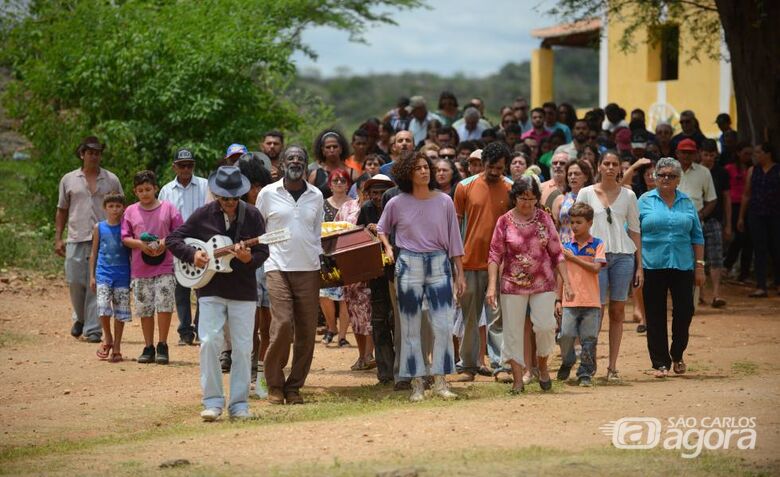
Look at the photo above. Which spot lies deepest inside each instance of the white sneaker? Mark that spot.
(211, 414)
(442, 389)
(418, 390)
(261, 388)
(242, 415)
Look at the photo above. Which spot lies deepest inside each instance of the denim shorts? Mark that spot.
(616, 277)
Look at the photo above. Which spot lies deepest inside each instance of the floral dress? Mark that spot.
(357, 295)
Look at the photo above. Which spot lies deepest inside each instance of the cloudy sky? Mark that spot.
(472, 37)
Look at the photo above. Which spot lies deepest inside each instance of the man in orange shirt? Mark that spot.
(359, 150)
(479, 201)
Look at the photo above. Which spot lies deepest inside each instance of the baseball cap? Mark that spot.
(638, 140)
(183, 155)
(416, 102)
(688, 145)
(234, 149)
(722, 117)
(476, 155)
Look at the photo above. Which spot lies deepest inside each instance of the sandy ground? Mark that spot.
(54, 389)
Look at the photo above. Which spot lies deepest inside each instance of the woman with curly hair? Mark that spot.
(331, 150)
(426, 231)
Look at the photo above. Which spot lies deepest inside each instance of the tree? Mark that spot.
(149, 76)
(751, 33)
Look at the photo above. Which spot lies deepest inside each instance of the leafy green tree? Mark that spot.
(149, 76)
(750, 28)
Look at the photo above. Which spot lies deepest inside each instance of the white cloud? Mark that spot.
(472, 37)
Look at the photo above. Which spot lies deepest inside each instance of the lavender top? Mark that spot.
(422, 225)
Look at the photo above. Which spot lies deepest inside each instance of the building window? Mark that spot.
(663, 53)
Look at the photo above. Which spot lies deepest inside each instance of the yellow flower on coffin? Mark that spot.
(330, 228)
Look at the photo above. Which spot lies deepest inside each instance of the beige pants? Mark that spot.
(513, 310)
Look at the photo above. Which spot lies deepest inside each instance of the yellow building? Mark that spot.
(656, 79)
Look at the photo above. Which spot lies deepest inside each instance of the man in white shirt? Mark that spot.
(418, 125)
(696, 181)
(186, 192)
(292, 275)
(471, 129)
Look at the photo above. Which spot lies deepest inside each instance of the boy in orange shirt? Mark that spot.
(581, 316)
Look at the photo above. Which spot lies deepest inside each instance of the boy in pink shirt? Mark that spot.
(581, 316)
(144, 228)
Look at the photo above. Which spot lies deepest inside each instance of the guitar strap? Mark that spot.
(239, 220)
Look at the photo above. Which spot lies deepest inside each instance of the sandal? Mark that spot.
(718, 302)
(485, 371)
(679, 367)
(661, 372)
(103, 351)
(116, 358)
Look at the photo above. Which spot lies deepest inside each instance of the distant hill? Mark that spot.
(355, 98)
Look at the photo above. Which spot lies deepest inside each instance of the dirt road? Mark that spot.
(63, 411)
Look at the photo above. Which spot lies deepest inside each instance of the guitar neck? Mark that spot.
(227, 250)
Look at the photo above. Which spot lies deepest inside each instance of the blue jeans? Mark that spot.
(240, 315)
(184, 312)
(424, 276)
(582, 322)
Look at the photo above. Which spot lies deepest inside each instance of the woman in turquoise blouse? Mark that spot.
(672, 259)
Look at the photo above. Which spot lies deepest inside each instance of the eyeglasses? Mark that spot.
(667, 177)
(609, 215)
(228, 199)
(339, 180)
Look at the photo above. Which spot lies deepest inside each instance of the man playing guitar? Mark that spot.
(227, 297)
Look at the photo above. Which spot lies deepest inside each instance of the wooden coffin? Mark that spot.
(350, 256)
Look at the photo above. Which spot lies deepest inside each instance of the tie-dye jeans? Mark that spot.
(425, 276)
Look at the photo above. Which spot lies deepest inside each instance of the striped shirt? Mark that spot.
(185, 199)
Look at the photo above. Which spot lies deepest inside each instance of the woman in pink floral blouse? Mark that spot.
(526, 243)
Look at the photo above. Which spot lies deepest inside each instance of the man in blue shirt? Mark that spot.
(187, 192)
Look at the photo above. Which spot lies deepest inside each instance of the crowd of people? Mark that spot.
(505, 241)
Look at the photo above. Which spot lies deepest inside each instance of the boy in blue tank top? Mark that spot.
(110, 276)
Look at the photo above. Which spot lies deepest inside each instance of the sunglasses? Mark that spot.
(338, 180)
(609, 215)
(185, 165)
(667, 177)
(228, 199)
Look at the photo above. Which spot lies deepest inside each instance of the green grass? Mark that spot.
(26, 231)
(530, 461)
(321, 406)
(337, 403)
(745, 368)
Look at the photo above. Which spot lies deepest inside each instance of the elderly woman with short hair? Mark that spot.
(672, 259)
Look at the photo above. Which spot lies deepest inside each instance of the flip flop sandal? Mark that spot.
(102, 351)
(116, 358)
(661, 372)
